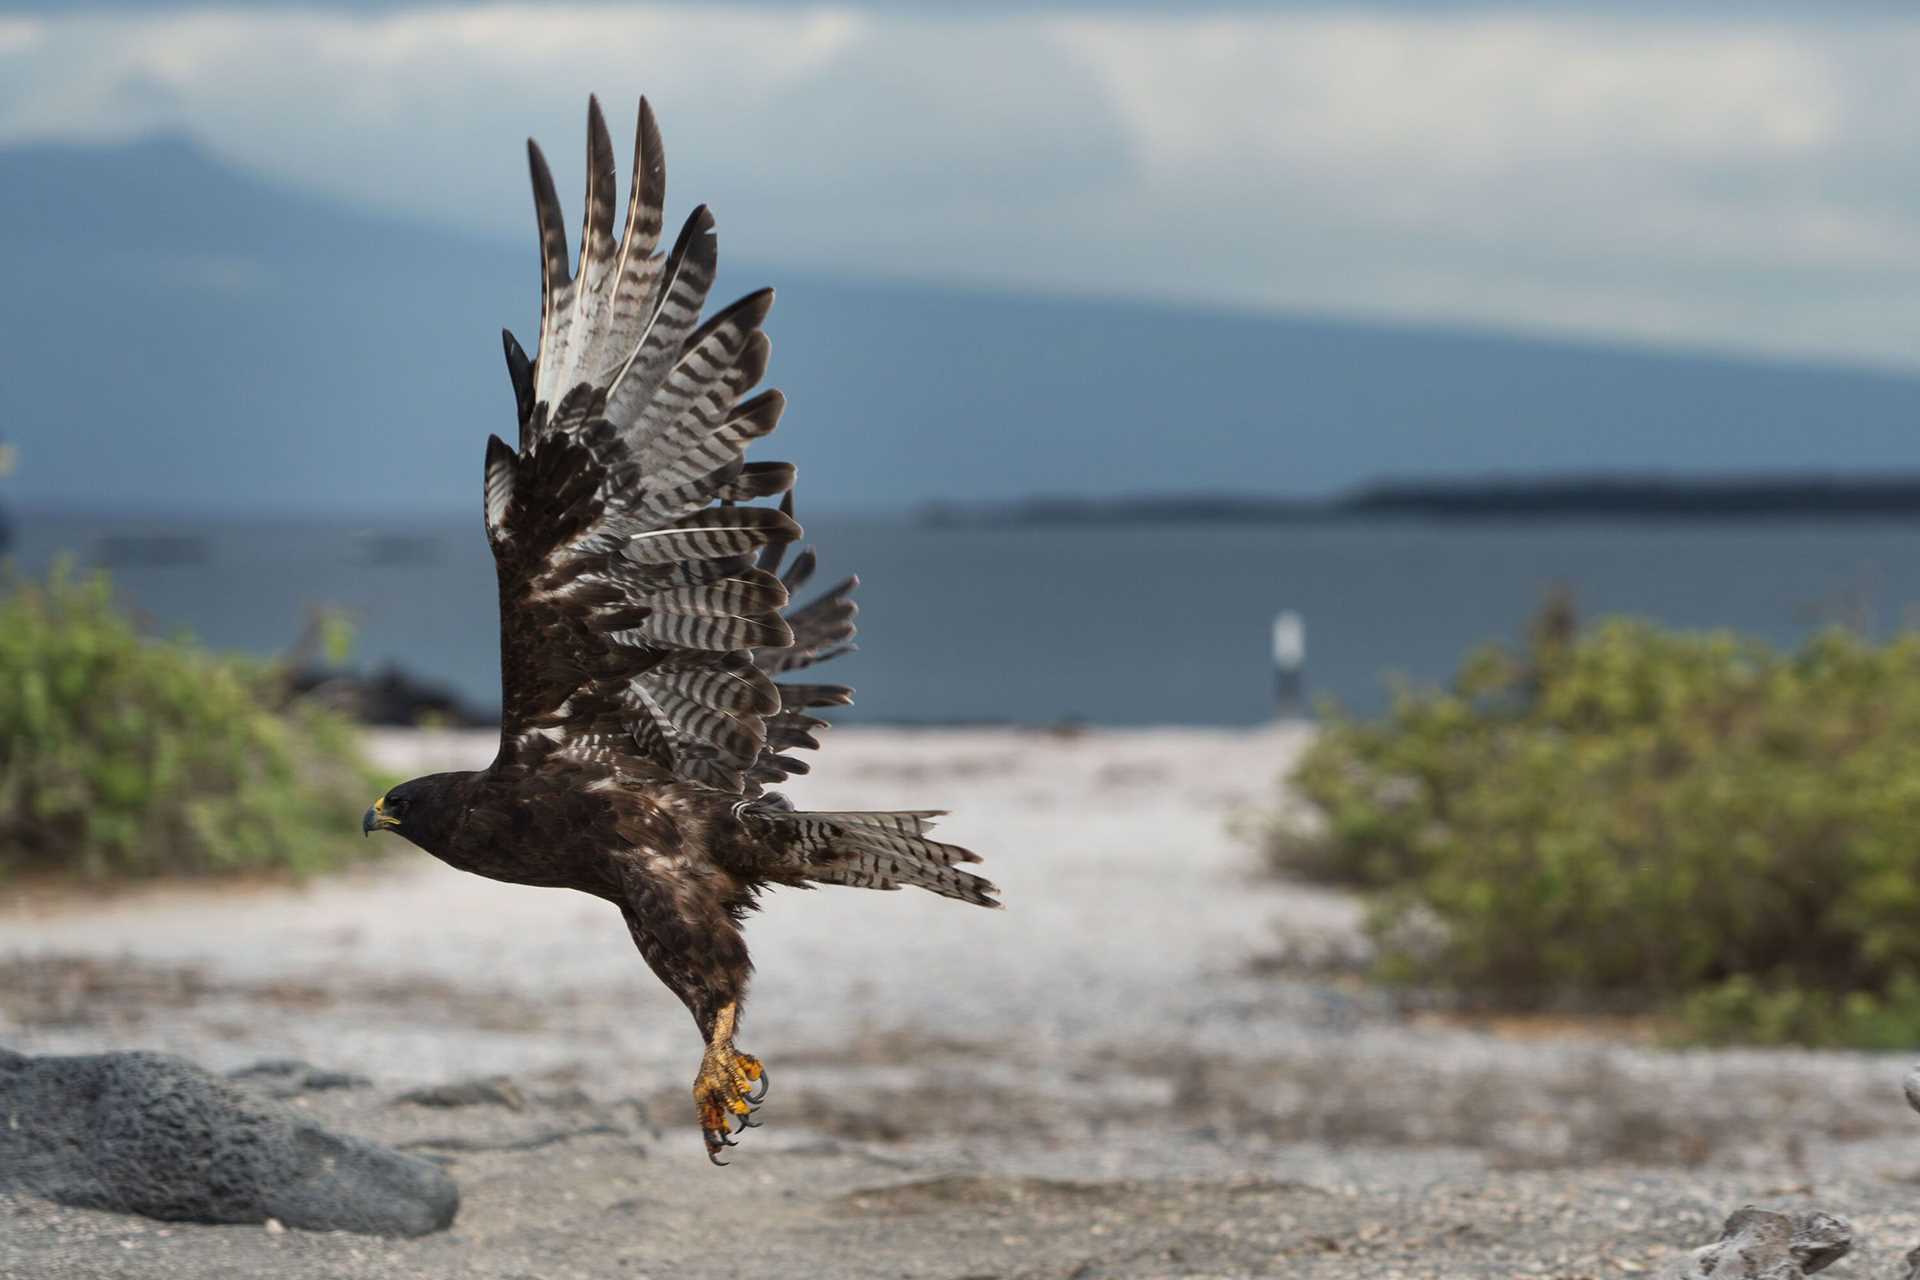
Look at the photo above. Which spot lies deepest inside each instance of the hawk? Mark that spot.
(644, 616)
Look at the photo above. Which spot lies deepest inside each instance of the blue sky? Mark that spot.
(1743, 178)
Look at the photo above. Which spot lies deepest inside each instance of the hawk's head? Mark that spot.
(424, 810)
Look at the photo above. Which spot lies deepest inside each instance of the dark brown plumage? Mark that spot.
(643, 617)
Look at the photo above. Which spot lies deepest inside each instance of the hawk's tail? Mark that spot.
(882, 851)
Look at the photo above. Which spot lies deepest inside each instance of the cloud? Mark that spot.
(17, 35)
(1678, 176)
(1673, 178)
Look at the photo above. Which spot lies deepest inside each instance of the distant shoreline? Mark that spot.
(1549, 498)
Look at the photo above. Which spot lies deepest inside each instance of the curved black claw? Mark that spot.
(759, 1095)
(713, 1158)
(724, 1106)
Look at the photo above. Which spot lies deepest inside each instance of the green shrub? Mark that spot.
(1632, 815)
(1743, 1010)
(121, 755)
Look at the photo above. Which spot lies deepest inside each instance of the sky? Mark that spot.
(1736, 178)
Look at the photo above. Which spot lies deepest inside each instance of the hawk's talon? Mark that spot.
(723, 1094)
(759, 1095)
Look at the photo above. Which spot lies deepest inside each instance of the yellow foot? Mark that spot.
(728, 1089)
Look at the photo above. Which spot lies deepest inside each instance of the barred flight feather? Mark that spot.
(691, 631)
(708, 352)
(907, 821)
(740, 688)
(700, 765)
(685, 439)
(710, 534)
(757, 480)
(793, 721)
(801, 570)
(661, 504)
(520, 371)
(800, 696)
(678, 295)
(726, 443)
(822, 628)
(754, 418)
(751, 593)
(790, 739)
(556, 286)
(690, 573)
(835, 852)
(827, 618)
(637, 267)
(918, 848)
(733, 739)
(596, 242)
(568, 332)
(579, 410)
(773, 768)
(498, 487)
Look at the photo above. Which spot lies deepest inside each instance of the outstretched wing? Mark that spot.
(631, 603)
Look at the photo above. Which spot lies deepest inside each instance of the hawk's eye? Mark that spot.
(396, 807)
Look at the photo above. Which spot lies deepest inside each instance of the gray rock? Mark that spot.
(153, 1134)
(1758, 1244)
(1819, 1240)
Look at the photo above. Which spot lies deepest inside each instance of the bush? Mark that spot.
(121, 755)
(1636, 816)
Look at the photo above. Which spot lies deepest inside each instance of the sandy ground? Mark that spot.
(1153, 1062)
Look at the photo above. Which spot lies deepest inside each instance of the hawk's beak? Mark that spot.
(376, 818)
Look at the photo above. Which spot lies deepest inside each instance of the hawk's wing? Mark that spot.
(634, 591)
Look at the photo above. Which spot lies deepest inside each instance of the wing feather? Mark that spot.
(636, 268)
(678, 295)
(556, 285)
(708, 534)
(821, 629)
(597, 245)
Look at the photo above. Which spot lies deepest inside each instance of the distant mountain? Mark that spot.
(181, 335)
(1555, 497)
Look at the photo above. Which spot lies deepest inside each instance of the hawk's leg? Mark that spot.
(729, 1087)
(694, 946)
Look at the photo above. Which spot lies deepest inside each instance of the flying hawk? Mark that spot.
(643, 618)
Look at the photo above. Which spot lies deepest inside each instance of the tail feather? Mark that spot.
(882, 851)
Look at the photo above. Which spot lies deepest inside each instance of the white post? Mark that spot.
(1289, 663)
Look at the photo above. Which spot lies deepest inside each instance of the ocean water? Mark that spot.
(1125, 625)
